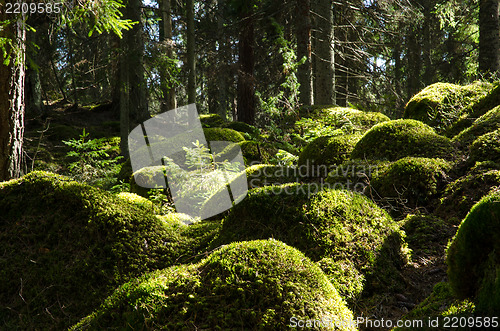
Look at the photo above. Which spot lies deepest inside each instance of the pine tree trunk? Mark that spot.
(124, 101)
(191, 55)
(489, 39)
(414, 63)
(169, 101)
(324, 85)
(223, 57)
(12, 101)
(303, 33)
(246, 80)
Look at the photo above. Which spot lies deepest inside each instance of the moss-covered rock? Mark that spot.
(488, 122)
(155, 174)
(253, 152)
(411, 181)
(473, 253)
(442, 104)
(338, 224)
(486, 147)
(242, 127)
(223, 134)
(211, 120)
(137, 200)
(328, 150)
(65, 246)
(260, 175)
(252, 285)
(460, 195)
(396, 139)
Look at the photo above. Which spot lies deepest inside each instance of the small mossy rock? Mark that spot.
(441, 104)
(223, 134)
(137, 200)
(242, 127)
(488, 122)
(68, 245)
(328, 150)
(486, 147)
(475, 247)
(412, 181)
(211, 121)
(149, 175)
(460, 195)
(338, 224)
(396, 139)
(253, 285)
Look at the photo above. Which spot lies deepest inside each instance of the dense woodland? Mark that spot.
(369, 132)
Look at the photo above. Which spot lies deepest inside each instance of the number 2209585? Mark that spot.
(33, 8)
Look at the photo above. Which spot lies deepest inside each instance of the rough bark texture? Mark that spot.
(303, 33)
(12, 102)
(324, 85)
(191, 55)
(489, 39)
(246, 80)
(169, 101)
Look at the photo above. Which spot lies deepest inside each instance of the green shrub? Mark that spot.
(211, 120)
(488, 122)
(338, 224)
(67, 245)
(460, 195)
(328, 150)
(441, 104)
(473, 253)
(486, 147)
(249, 285)
(396, 139)
(411, 181)
(223, 134)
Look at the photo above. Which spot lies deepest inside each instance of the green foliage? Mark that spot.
(486, 147)
(396, 139)
(248, 285)
(328, 150)
(223, 134)
(284, 158)
(486, 123)
(440, 105)
(411, 181)
(473, 252)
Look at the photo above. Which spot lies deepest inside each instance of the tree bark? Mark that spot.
(414, 62)
(489, 40)
(124, 101)
(12, 100)
(191, 55)
(246, 80)
(324, 86)
(303, 34)
(169, 101)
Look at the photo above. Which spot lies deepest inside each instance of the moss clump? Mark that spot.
(242, 127)
(473, 253)
(328, 150)
(137, 200)
(67, 245)
(260, 175)
(411, 181)
(155, 174)
(211, 120)
(396, 139)
(441, 104)
(252, 151)
(460, 195)
(223, 134)
(486, 147)
(338, 224)
(488, 122)
(250, 285)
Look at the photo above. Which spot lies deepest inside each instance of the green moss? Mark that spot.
(249, 285)
(396, 139)
(328, 150)
(355, 174)
(476, 241)
(488, 122)
(423, 231)
(223, 134)
(252, 151)
(486, 147)
(67, 245)
(260, 175)
(488, 297)
(125, 171)
(411, 181)
(136, 199)
(242, 127)
(338, 224)
(344, 276)
(211, 120)
(155, 174)
(440, 105)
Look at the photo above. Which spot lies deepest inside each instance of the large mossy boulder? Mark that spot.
(223, 134)
(396, 139)
(253, 152)
(336, 224)
(486, 147)
(253, 285)
(442, 104)
(411, 181)
(473, 256)
(328, 150)
(488, 122)
(65, 246)
(211, 120)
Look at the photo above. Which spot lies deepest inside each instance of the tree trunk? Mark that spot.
(224, 58)
(325, 73)
(124, 101)
(246, 80)
(169, 101)
(12, 100)
(341, 55)
(414, 63)
(303, 33)
(489, 40)
(191, 55)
